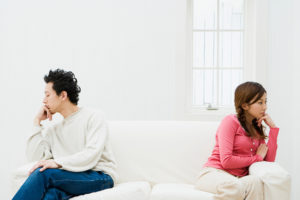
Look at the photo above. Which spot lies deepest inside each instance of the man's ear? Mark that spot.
(63, 95)
(245, 106)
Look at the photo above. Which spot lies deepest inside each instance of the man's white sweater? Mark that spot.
(78, 143)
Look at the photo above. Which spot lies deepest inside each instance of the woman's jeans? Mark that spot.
(57, 184)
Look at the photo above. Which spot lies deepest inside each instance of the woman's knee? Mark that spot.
(231, 189)
(255, 182)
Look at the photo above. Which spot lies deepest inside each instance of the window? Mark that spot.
(216, 51)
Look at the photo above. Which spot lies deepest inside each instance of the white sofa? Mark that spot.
(160, 160)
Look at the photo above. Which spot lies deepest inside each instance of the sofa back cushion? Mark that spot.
(161, 151)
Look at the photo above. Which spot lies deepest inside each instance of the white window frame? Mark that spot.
(255, 54)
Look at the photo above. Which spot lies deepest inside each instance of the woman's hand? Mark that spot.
(267, 119)
(262, 150)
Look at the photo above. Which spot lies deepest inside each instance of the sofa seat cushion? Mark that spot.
(172, 191)
(123, 191)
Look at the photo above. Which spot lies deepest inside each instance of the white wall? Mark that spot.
(124, 53)
(295, 117)
(280, 70)
(283, 82)
(129, 57)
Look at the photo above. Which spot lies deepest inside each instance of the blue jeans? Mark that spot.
(57, 184)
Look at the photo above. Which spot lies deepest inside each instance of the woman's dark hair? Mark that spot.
(64, 81)
(249, 93)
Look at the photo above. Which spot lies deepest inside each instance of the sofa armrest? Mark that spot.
(277, 181)
(19, 176)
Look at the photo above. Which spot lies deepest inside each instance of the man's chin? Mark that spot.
(52, 112)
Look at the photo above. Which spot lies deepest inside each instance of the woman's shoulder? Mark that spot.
(231, 119)
(229, 125)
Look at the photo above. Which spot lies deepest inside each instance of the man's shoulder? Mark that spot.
(85, 115)
(93, 113)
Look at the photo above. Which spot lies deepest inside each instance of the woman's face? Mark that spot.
(257, 109)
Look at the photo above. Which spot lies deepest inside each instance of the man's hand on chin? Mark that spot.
(43, 114)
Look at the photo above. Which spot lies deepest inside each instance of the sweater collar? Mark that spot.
(72, 116)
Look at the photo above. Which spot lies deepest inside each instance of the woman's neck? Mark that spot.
(249, 118)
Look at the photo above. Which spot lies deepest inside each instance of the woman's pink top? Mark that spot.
(234, 151)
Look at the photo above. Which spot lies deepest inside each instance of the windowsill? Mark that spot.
(202, 114)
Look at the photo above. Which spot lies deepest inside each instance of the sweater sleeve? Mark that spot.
(38, 145)
(272, 145)
(96, 137)
(226, 135)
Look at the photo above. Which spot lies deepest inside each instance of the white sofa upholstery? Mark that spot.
(160, 160)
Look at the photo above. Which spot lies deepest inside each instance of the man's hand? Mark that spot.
(43, 114)
(45, 164)
(267, 119)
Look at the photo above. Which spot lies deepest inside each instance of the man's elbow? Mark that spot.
(31, 157)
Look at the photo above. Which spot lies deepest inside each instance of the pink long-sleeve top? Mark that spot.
(234, 151)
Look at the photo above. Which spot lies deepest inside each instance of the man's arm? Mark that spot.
(38, 146)
(96, 138)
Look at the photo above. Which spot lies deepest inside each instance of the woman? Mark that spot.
(240, 142)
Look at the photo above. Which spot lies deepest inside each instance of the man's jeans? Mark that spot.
(57, 184)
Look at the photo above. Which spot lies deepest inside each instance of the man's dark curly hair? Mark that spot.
(64, 81)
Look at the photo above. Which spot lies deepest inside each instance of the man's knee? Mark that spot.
(55, 194)
(107, 181)
(46, 174)
(36, 172)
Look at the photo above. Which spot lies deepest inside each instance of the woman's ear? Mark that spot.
(245, 106)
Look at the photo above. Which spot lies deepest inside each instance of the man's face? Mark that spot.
(51, 100)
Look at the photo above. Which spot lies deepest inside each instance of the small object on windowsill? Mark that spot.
(209, 107)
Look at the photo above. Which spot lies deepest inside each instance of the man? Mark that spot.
(74, 156)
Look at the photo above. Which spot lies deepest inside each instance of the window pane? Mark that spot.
(205, 49)
(221, 48)
(205, 14)
(231, 49)
(231, 14)
(229, 80)
(204, 87)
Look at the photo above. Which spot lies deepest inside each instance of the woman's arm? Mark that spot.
(273, 134)
(272, 145)
(226, 135)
